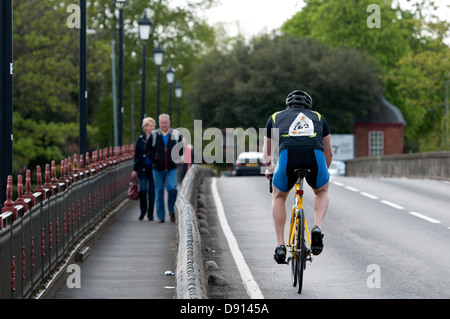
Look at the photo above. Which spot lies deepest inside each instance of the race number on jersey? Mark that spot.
(301, 126)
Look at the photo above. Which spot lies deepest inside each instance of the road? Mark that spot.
(384, 238)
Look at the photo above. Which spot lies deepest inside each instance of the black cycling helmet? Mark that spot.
(299, 99)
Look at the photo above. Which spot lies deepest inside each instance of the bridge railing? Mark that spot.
(39, 230)
(435, 165)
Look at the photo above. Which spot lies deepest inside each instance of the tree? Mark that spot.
(46, 70)
(251, 82)
(352, 24)
(178, 29)
(409, 46)
(46, 83)
(417, 85)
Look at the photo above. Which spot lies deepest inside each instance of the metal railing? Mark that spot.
(39, 230)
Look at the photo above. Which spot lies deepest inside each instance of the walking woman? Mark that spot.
(142, 170)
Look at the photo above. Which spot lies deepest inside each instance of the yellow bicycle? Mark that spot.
(299, 245)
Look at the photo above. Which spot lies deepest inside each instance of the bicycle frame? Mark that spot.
(299, 247)
(298, 206)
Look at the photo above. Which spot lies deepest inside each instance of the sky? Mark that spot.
(251, 17)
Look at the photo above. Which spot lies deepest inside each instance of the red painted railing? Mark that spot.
(57, 215)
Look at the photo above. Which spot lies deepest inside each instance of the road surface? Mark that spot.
(384, 238)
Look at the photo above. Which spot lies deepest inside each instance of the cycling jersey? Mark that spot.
(298, 128)
(300, 145)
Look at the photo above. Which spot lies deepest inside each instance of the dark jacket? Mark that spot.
(161, 154)
(141, 160)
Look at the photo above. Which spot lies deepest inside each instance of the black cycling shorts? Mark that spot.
(292, 158)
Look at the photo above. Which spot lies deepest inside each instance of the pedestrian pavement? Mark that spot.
(132, 260)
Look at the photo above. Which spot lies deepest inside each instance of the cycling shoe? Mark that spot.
(280, 254)
(316, 241)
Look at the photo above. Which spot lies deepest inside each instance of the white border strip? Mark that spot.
(247, 278)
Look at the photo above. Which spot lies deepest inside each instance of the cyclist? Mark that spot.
(304, 141)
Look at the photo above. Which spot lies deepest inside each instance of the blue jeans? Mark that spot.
(146, 190)
(169, 179)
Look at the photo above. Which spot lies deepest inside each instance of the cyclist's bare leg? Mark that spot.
(279, 213)
(321, 201)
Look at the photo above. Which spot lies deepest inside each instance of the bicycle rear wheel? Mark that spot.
(301, 251)
(294, 268)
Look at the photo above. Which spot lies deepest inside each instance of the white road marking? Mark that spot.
(369, 195)
(338, 183)
(247, 278)
(431, 220)
(394, 205)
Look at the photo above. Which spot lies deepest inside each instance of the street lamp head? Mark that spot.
(170, 74)
(121, 2)
(178, 90)
(158, 55)
(145, 26)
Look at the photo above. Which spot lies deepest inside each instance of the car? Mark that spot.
(337, 168)
(249, 163)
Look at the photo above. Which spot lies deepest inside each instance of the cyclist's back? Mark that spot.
(299, 128)
(301, 132)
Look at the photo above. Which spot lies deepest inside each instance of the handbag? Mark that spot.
(133, 189)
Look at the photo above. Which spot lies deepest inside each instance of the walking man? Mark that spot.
(159, 148)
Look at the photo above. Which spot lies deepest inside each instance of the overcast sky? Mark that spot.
(250, 17)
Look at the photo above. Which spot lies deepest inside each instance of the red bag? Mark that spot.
(133, 189)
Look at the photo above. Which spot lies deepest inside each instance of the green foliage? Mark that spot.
(409, 46)
(45, 118)
(344, 23)
(417, 85)
(251, 82)
(46, 67)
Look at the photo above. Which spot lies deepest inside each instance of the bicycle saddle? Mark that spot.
(302, 172)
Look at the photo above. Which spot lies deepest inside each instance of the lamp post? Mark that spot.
(132, 84)
(178, 95)
(6, 95)
(120, 4)
(446, 109)
(82, 90)
(158, 58)
(170, 78)
(145, 26)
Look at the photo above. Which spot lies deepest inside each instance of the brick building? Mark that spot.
(381, 133)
